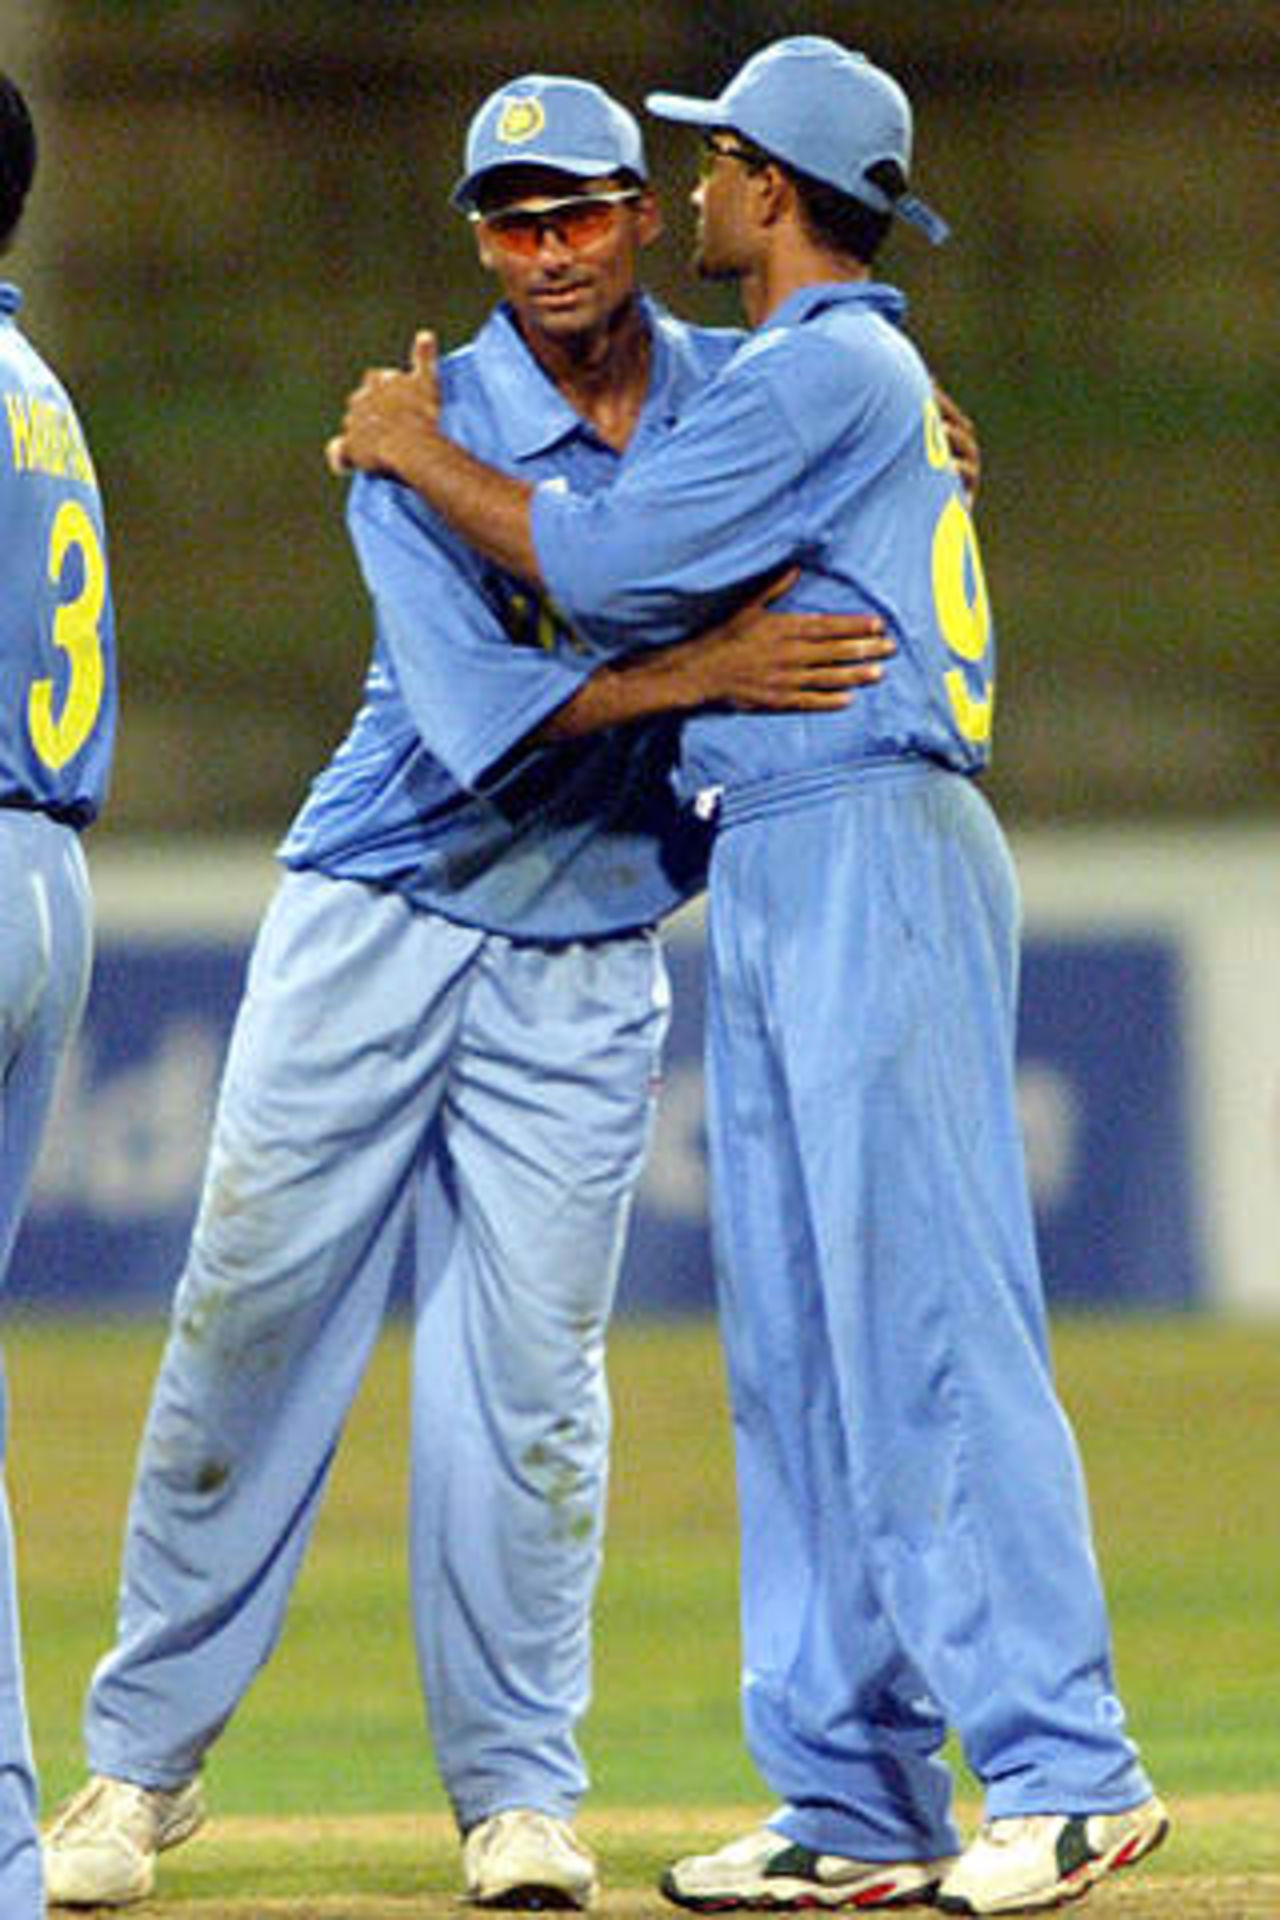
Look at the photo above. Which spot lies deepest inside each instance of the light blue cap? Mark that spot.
(825, 111)
(550, 120)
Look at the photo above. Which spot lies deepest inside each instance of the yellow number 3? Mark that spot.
(960, 597)
(57, 738)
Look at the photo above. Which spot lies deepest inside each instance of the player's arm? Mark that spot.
(763, 659)
(391, 426)
(474, 686)
(477, 696)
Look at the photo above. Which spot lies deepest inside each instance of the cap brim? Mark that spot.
(681, 106)
(582, 168)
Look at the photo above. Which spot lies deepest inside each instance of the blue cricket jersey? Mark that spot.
(57, 628)
(821, 443)
(430, 792)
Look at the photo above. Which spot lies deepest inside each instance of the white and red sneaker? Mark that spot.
(1040, 1860)
(764, 1870)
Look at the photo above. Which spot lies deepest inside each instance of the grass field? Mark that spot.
(323, 1789)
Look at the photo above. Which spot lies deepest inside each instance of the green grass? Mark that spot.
(1179, 1423)
(1219, 1868)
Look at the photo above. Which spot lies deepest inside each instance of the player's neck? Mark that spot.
(788, 265)
(603, 374)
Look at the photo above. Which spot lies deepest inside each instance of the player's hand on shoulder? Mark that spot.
(388, 414)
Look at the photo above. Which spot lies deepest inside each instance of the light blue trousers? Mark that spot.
(388, 1064)
(915, 1543)
(45, 953)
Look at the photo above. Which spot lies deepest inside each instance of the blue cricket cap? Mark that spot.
(549, 120)
(825, 111)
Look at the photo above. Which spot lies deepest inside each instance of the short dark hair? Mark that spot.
(17, 157)
(833, 218)
(837, 220)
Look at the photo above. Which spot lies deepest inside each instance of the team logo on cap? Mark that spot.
(522, 118)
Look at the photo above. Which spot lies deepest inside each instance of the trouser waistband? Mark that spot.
(783, 793)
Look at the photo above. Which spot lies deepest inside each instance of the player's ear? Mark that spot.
(773, 193)
(648, 218)
(484, 246)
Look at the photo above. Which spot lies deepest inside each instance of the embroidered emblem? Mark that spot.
(522, 118)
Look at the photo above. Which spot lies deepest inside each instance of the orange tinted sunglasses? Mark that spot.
(576, 221)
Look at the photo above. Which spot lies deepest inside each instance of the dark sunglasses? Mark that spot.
(576, 221)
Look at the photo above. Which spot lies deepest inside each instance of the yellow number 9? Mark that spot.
(964, 615)
(76, 630)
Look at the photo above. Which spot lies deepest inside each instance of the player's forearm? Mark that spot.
(638, 688)
(487, 509)
(764, 658)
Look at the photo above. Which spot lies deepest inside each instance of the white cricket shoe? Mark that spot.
(1045, 1859)
(100, 1850)
(522, 1858)
(764, 1869)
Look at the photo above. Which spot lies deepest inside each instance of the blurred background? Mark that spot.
(242, 205)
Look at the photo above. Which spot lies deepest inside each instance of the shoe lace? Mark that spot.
(81, 1810)
(1012, 1828)
(530, 1820)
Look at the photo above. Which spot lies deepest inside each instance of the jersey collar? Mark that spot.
(10, 299)
(535, 415)
(807, 302)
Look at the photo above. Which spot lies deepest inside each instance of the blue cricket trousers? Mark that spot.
(46, 942)
(388, 1068)
(915, 1542)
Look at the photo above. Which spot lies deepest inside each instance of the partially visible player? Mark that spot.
(454, 1014)
(57, 723)
(916, 1548)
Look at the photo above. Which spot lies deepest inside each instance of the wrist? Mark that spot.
(675, 672)
(412, 453)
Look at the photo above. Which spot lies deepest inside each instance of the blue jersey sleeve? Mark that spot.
(722, 503)
(476, 658)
